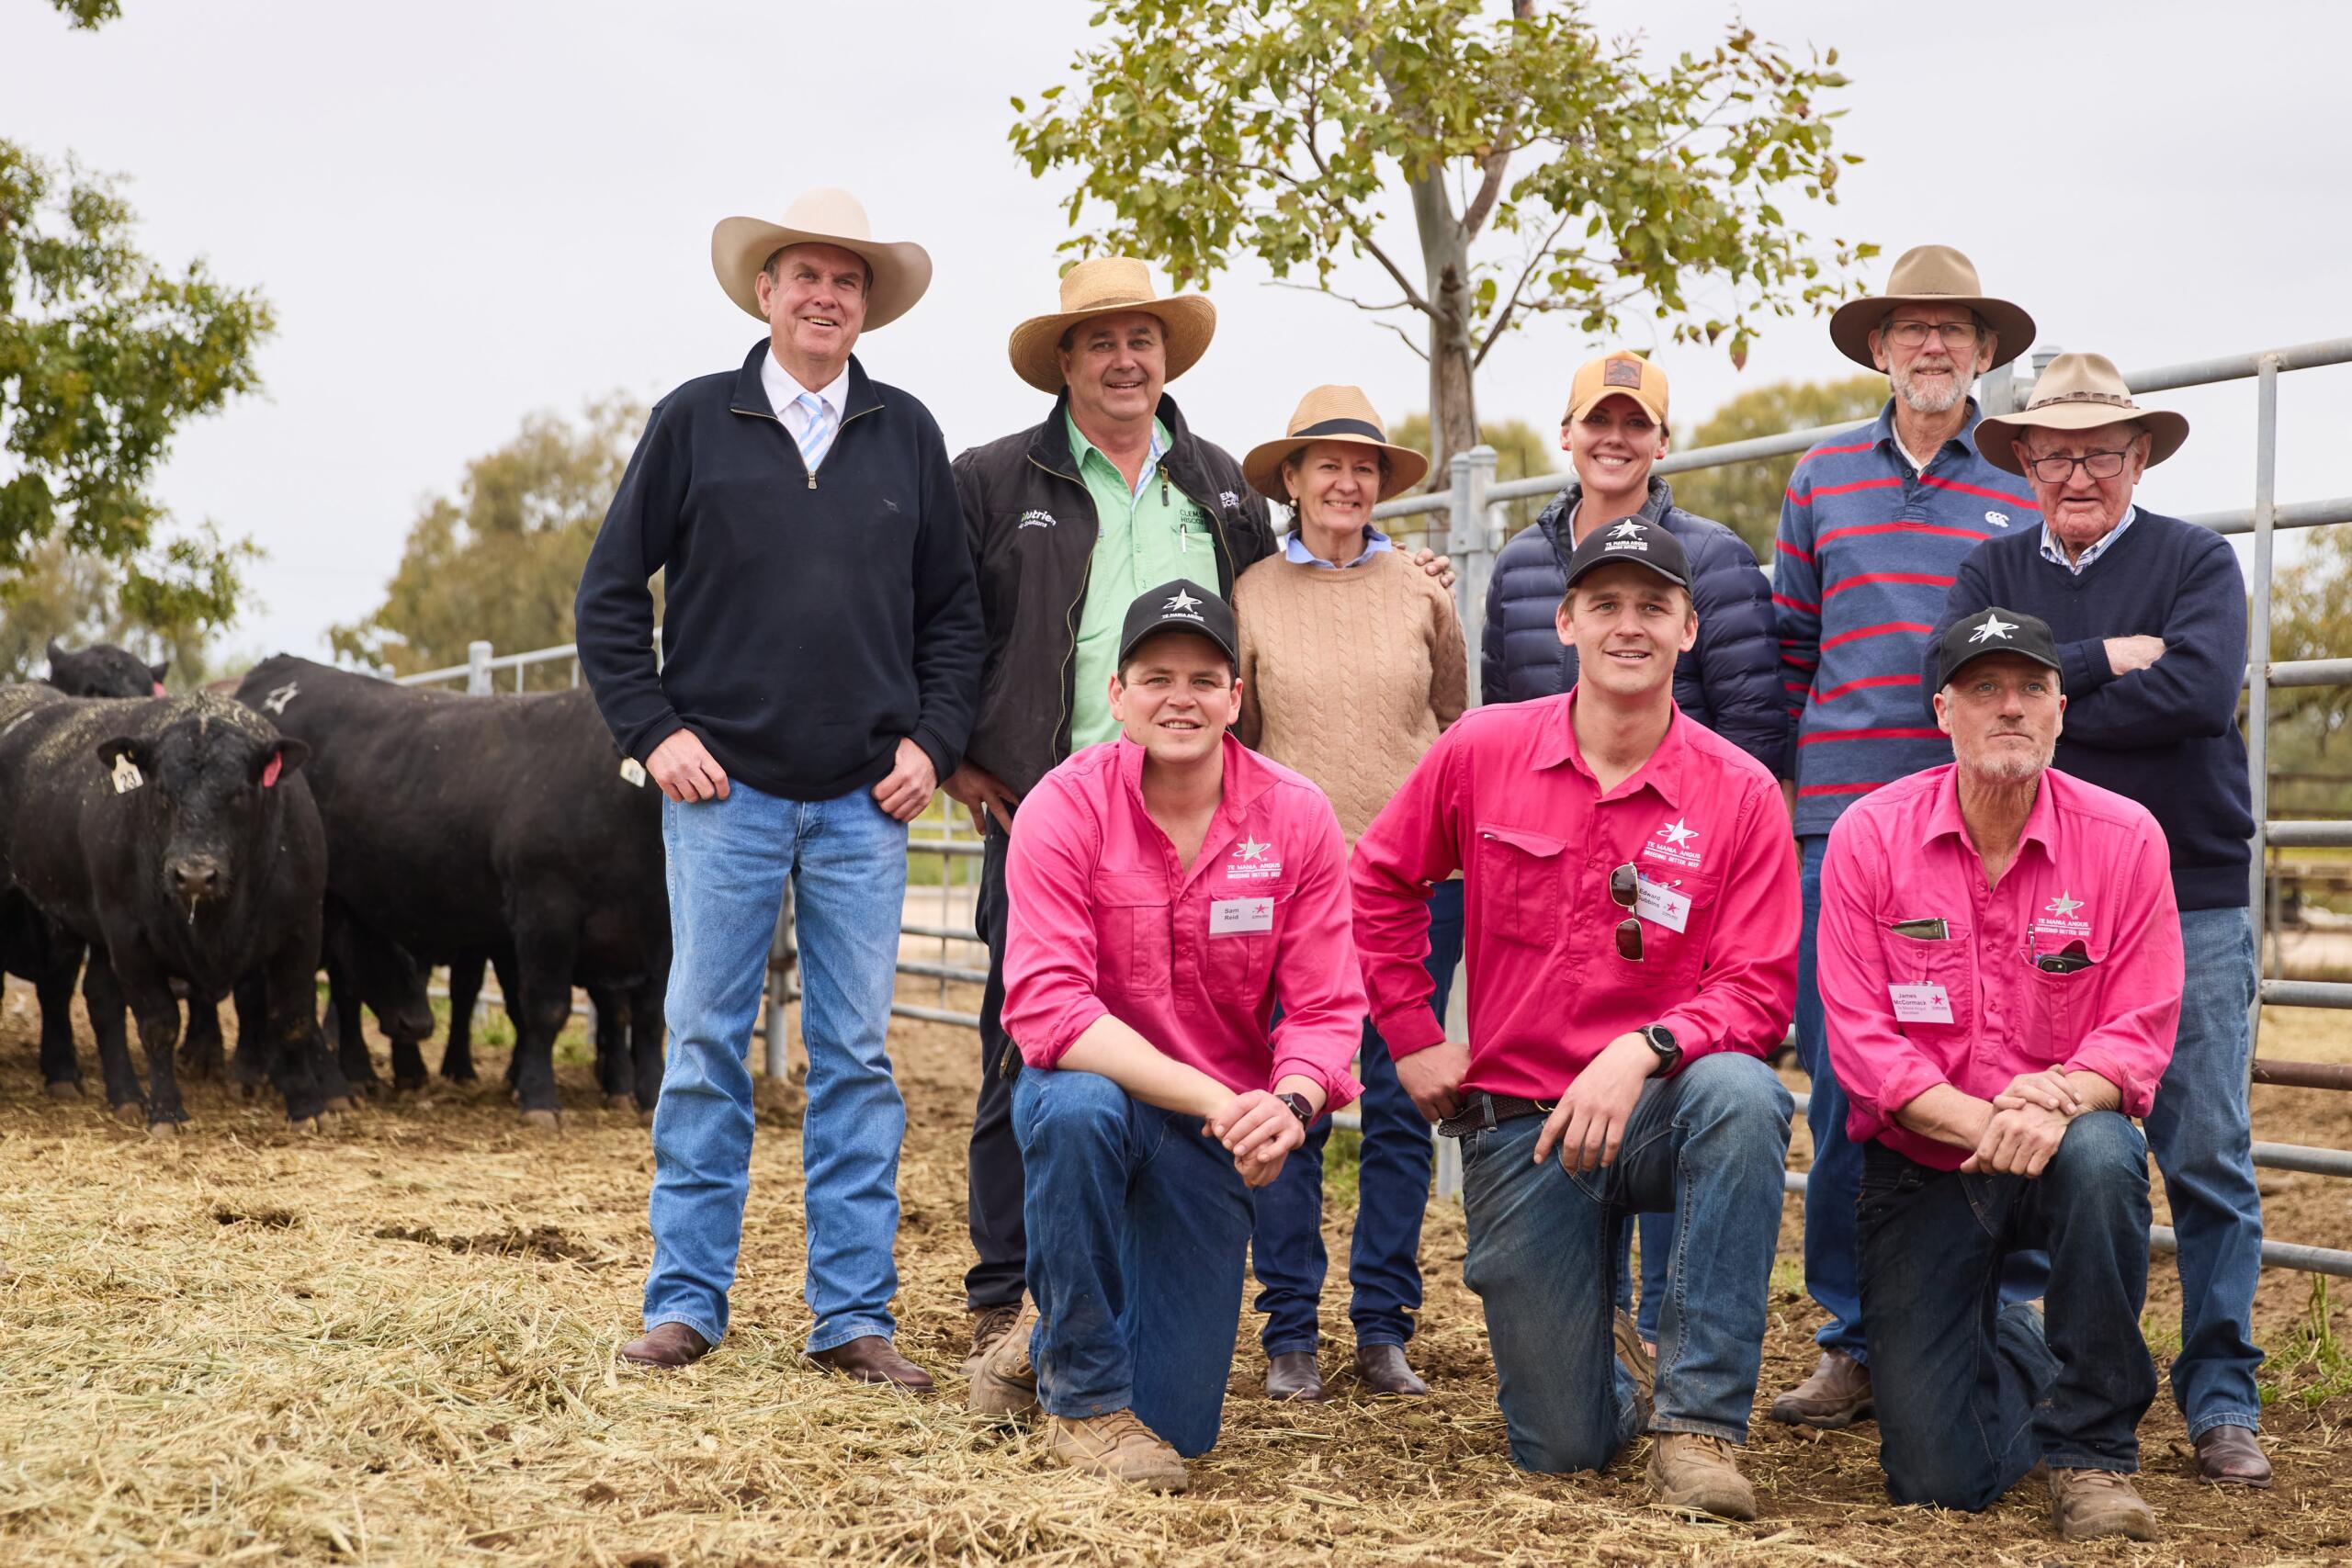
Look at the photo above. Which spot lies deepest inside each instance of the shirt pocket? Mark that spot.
(1670, 958)
(1240, 965)
(1911, 961)
(2060, 1008)
(1520, 873)
(1131, 930)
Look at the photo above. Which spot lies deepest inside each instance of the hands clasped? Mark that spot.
(1258, 1131)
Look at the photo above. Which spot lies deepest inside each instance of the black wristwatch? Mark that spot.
(1661, 1039)
(1300, 1109)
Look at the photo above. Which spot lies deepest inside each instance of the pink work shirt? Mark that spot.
(1104, 920)
(1505, 798)
(2091, 867)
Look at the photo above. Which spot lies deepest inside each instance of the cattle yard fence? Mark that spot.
(1465, 520)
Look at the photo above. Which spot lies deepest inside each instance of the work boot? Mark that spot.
(1292, 1375)
(2231, 1455)
(988, 1326)
(1117, 1446)
(1837, 1395)
(869, 1357)
(1697, 1473)
(1005, 1384)
(2087, 1503)
(1383, 1369)
(1639, 1365)
(666, 1345)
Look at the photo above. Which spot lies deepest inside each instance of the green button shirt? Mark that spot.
(1144, 537)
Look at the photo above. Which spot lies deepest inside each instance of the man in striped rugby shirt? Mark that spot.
(1873, 531)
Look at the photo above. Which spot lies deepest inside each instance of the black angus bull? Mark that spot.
(32, 944)
(504, 825)
(175, 839)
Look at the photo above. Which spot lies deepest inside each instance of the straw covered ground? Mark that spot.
(393, 1344)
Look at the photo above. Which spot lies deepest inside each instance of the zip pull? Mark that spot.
(812, 481)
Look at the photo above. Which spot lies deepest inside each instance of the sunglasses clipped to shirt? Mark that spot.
(1625, 892)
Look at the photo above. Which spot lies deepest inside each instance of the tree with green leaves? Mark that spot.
(1745, 497)
(1521, 451)
(1547, 169)
(502, 560)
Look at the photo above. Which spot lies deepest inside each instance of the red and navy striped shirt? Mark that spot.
(1868, 549)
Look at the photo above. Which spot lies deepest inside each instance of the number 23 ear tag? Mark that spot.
(126, 775)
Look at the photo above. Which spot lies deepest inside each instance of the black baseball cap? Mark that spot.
(1181, 605)
(1633, 540)
(1994, 631)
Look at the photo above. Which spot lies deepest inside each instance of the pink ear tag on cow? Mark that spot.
(159, 689)
(269, 773)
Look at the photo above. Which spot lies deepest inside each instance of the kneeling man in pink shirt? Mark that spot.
(1167, 889)
(2001, 969)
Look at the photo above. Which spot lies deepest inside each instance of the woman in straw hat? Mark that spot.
(1353, 662)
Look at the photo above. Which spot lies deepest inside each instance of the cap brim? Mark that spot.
(1263, 464)
(740, 246)
(1997, 435)
(1188, 319)
(1852, 324)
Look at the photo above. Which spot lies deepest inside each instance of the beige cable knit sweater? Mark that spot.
(1348, 676)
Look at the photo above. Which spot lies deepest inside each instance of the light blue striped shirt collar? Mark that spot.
(2054, 552)
(1295, 551)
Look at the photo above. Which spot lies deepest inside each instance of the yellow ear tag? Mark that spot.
(126, 775)
(633, 771)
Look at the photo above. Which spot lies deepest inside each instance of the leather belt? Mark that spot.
(1482, 1111)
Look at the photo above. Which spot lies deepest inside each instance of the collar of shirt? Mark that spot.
(1883, 433)
(1662, 770)
(1080, 449)
(784, 394)
(1295, 548)
(2054, 553)
(1945, 820)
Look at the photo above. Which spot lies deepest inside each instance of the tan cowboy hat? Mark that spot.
(1332, 413)
(1929, 274)
(1107, 285)
(740, 246)
(2079, 391)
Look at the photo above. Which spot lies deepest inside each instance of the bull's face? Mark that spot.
(214, 783)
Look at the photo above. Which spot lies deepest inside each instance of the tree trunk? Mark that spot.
(1445, 261)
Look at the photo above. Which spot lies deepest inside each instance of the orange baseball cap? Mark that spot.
(1620, 370)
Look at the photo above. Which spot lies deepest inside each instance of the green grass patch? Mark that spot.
(1343, 1162)
(2312, 1366)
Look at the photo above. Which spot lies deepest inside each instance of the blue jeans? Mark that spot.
(2203, 1142)
(727, 863)
(1138, 1227)
(1708, 1144)
(1392, 1192)
(1972, 1393)
(1658, 1245)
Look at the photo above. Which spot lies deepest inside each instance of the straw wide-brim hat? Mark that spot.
(740, 246)
(1110, 286)
(1929, 274)
(1332, 413)
(2077, 392)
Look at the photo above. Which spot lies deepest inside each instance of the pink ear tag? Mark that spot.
(269, 773)
(159, 689)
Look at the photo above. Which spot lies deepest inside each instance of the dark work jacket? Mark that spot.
(1730, 681)
(809, 624)
(1031, 523)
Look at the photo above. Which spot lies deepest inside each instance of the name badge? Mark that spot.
(1924, 1003)
(1239, 916)
(1662, 904)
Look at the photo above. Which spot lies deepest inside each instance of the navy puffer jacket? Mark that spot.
(1730, 681)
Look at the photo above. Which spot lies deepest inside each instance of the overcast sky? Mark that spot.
(466, 212)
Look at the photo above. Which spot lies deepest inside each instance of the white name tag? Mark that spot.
(1662, 904)
(1924, 1003)
(1239, 917)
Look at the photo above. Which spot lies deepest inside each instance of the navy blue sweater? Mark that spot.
(1730, 681)
(2166, 735)
(808, 625)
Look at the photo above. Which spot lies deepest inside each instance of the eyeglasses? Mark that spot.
(2059, 470)
(1625, 891)
(1911, 334)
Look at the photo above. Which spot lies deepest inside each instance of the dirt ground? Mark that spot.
(392, 1343)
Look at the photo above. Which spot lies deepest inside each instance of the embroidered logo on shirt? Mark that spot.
(1994, 627)
(2058, 918)
(1227, 500)
(1668, 844)
(1249, 862)
(1998, 519)
(1036, 519)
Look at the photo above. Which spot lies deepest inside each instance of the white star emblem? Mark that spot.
(1183, 603)
(276, 702)
(2063, 905)
(1628, 529)
(1994, 627)
(1249, 848)
(1677, 831)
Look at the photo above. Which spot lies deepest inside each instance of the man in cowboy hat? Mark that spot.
(1872, 529)
(2151, 618)
(809, 696)
(2002, 971)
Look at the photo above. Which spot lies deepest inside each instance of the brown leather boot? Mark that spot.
(988, 1326)
(666, 1345)
(869, 1357)
(1639, 1365)
(1292, 1375)
(1837, 1395)
(1383, 1369)
(2087, 1503)
(1698, 1474)
(1004, 1383)
(2231, 1456)
(1118, 1447)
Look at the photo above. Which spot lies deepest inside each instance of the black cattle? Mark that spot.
(102, 670)
(503, 825)
(174, 838)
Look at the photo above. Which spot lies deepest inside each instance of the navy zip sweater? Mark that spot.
(2166, 735)
(809, 622)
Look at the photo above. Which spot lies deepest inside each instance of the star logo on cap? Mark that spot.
(1249, 848)
(1628, 529)
(1994, 627)
(2063, 905)
(1677, 831)
(1183, 603)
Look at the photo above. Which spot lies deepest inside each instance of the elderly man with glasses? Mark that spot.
(2150, 613)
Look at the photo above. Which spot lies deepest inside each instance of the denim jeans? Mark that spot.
(1392, 1192)
(993, 1176)
(727, 863)
(2200, 1133)
(1138, 1228)
(1970, 1393)
(1708, 1144)
(1658, 1245)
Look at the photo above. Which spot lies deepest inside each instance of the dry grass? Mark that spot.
(394, 1344)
